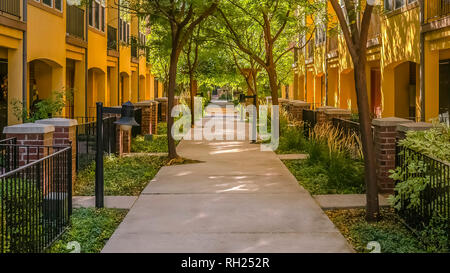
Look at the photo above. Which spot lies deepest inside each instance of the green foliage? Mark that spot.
(292, 140)
(124, 176)
(91, 228)
(392, 236)
(43, 109)
(434, 142)
(16, 197)
(161, 128)
(435, 234)
(157, 145)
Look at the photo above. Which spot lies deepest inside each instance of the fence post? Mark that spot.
(99, 182)
(164, 108)
(31, 134)
(385, 136)
(402, 129)
(149, 116)
(65, 134)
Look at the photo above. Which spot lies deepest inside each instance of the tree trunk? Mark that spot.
(170, 97)
(192, 93)
(273, 85)
(372, 211)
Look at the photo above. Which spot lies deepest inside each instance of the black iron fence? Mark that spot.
(11, 7)
(137, 130)
(348, 126)
(35, 197)
(75, 21)
(86, 136)
(435, 198)
(8, 161)
(309, 121)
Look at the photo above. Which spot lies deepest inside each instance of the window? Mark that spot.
(124, 31)
(58, 5)
(128, 32)
(390, 5)
(48, 2)
(97, 15)
(399, 4)
(120, 29)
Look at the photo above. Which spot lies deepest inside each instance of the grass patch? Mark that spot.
(124, 176)
(336, 178)
(392, 235)
(157, 145)
(91, 228)
(161, 128)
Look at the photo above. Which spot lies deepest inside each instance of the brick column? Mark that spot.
(126, 147)
(149, 117)
(331, 113)
(320, 114)
(65, 133)
(31, 134)
(385, 137)
(297, 107)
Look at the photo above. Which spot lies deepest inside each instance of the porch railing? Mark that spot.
(75, 21)
(435, 9)
(35, 198)
(435, 198)
(112, 38)
(11, 7)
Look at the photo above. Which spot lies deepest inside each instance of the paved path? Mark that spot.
(239, 200)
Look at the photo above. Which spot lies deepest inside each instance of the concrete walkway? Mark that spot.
(239, 200)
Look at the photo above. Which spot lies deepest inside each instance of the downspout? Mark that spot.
(118, 57)
(86, 73)
(25, 56)
(422, 62)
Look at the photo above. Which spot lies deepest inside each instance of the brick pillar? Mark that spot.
(126, 146)
(65, 133)
(331, 113)
(149, 116)
(31, 134)
(320, 114)
(297, 107)
(385, 136)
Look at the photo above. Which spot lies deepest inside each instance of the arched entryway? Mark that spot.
(124, 85)
(96, 89)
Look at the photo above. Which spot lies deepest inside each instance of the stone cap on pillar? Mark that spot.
(162, 99)
(324, 108)
(300, 103)
(337, 111)
(58, 122)
(29, 128)
(390, 122)
(414, 126)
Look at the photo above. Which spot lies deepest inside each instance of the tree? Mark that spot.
(181, 17)
(355, 35)
(276, 21)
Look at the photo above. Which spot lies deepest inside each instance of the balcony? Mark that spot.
(436, 9)
(112, 38)
(11, 7)
(134, 49)
(333, 42)
(75, 22)
(310, 52)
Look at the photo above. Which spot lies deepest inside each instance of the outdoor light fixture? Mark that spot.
(127, 120)
(373, 2)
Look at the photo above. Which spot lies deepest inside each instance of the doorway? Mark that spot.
(375, 92)
(444, 90)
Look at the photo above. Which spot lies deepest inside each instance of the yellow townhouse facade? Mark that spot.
(90, 52)
(408, 63)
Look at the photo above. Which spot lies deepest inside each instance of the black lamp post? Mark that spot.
(126, 122)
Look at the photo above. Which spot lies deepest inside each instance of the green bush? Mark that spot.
(124, 176)
(292, 141)
(161, 128)
(157, 145)
(16, 197)
(91, 228)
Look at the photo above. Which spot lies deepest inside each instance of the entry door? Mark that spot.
(444, 90)
(375, 92)
(70, 85)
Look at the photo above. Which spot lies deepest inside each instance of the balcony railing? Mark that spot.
(435, 9)
(112, 38)
(75, 21)
(11, 7)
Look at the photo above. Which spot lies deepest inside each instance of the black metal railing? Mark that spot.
(112, 37)
(35, 197)
(75, 21)
(436, 9)
(435, 198)
(137, 130)
(86, 136)
(349, 127)
(8, 161)
(11, 7)
(309, 121)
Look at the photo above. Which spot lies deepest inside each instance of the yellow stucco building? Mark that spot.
(324, 72)
(90, 53)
